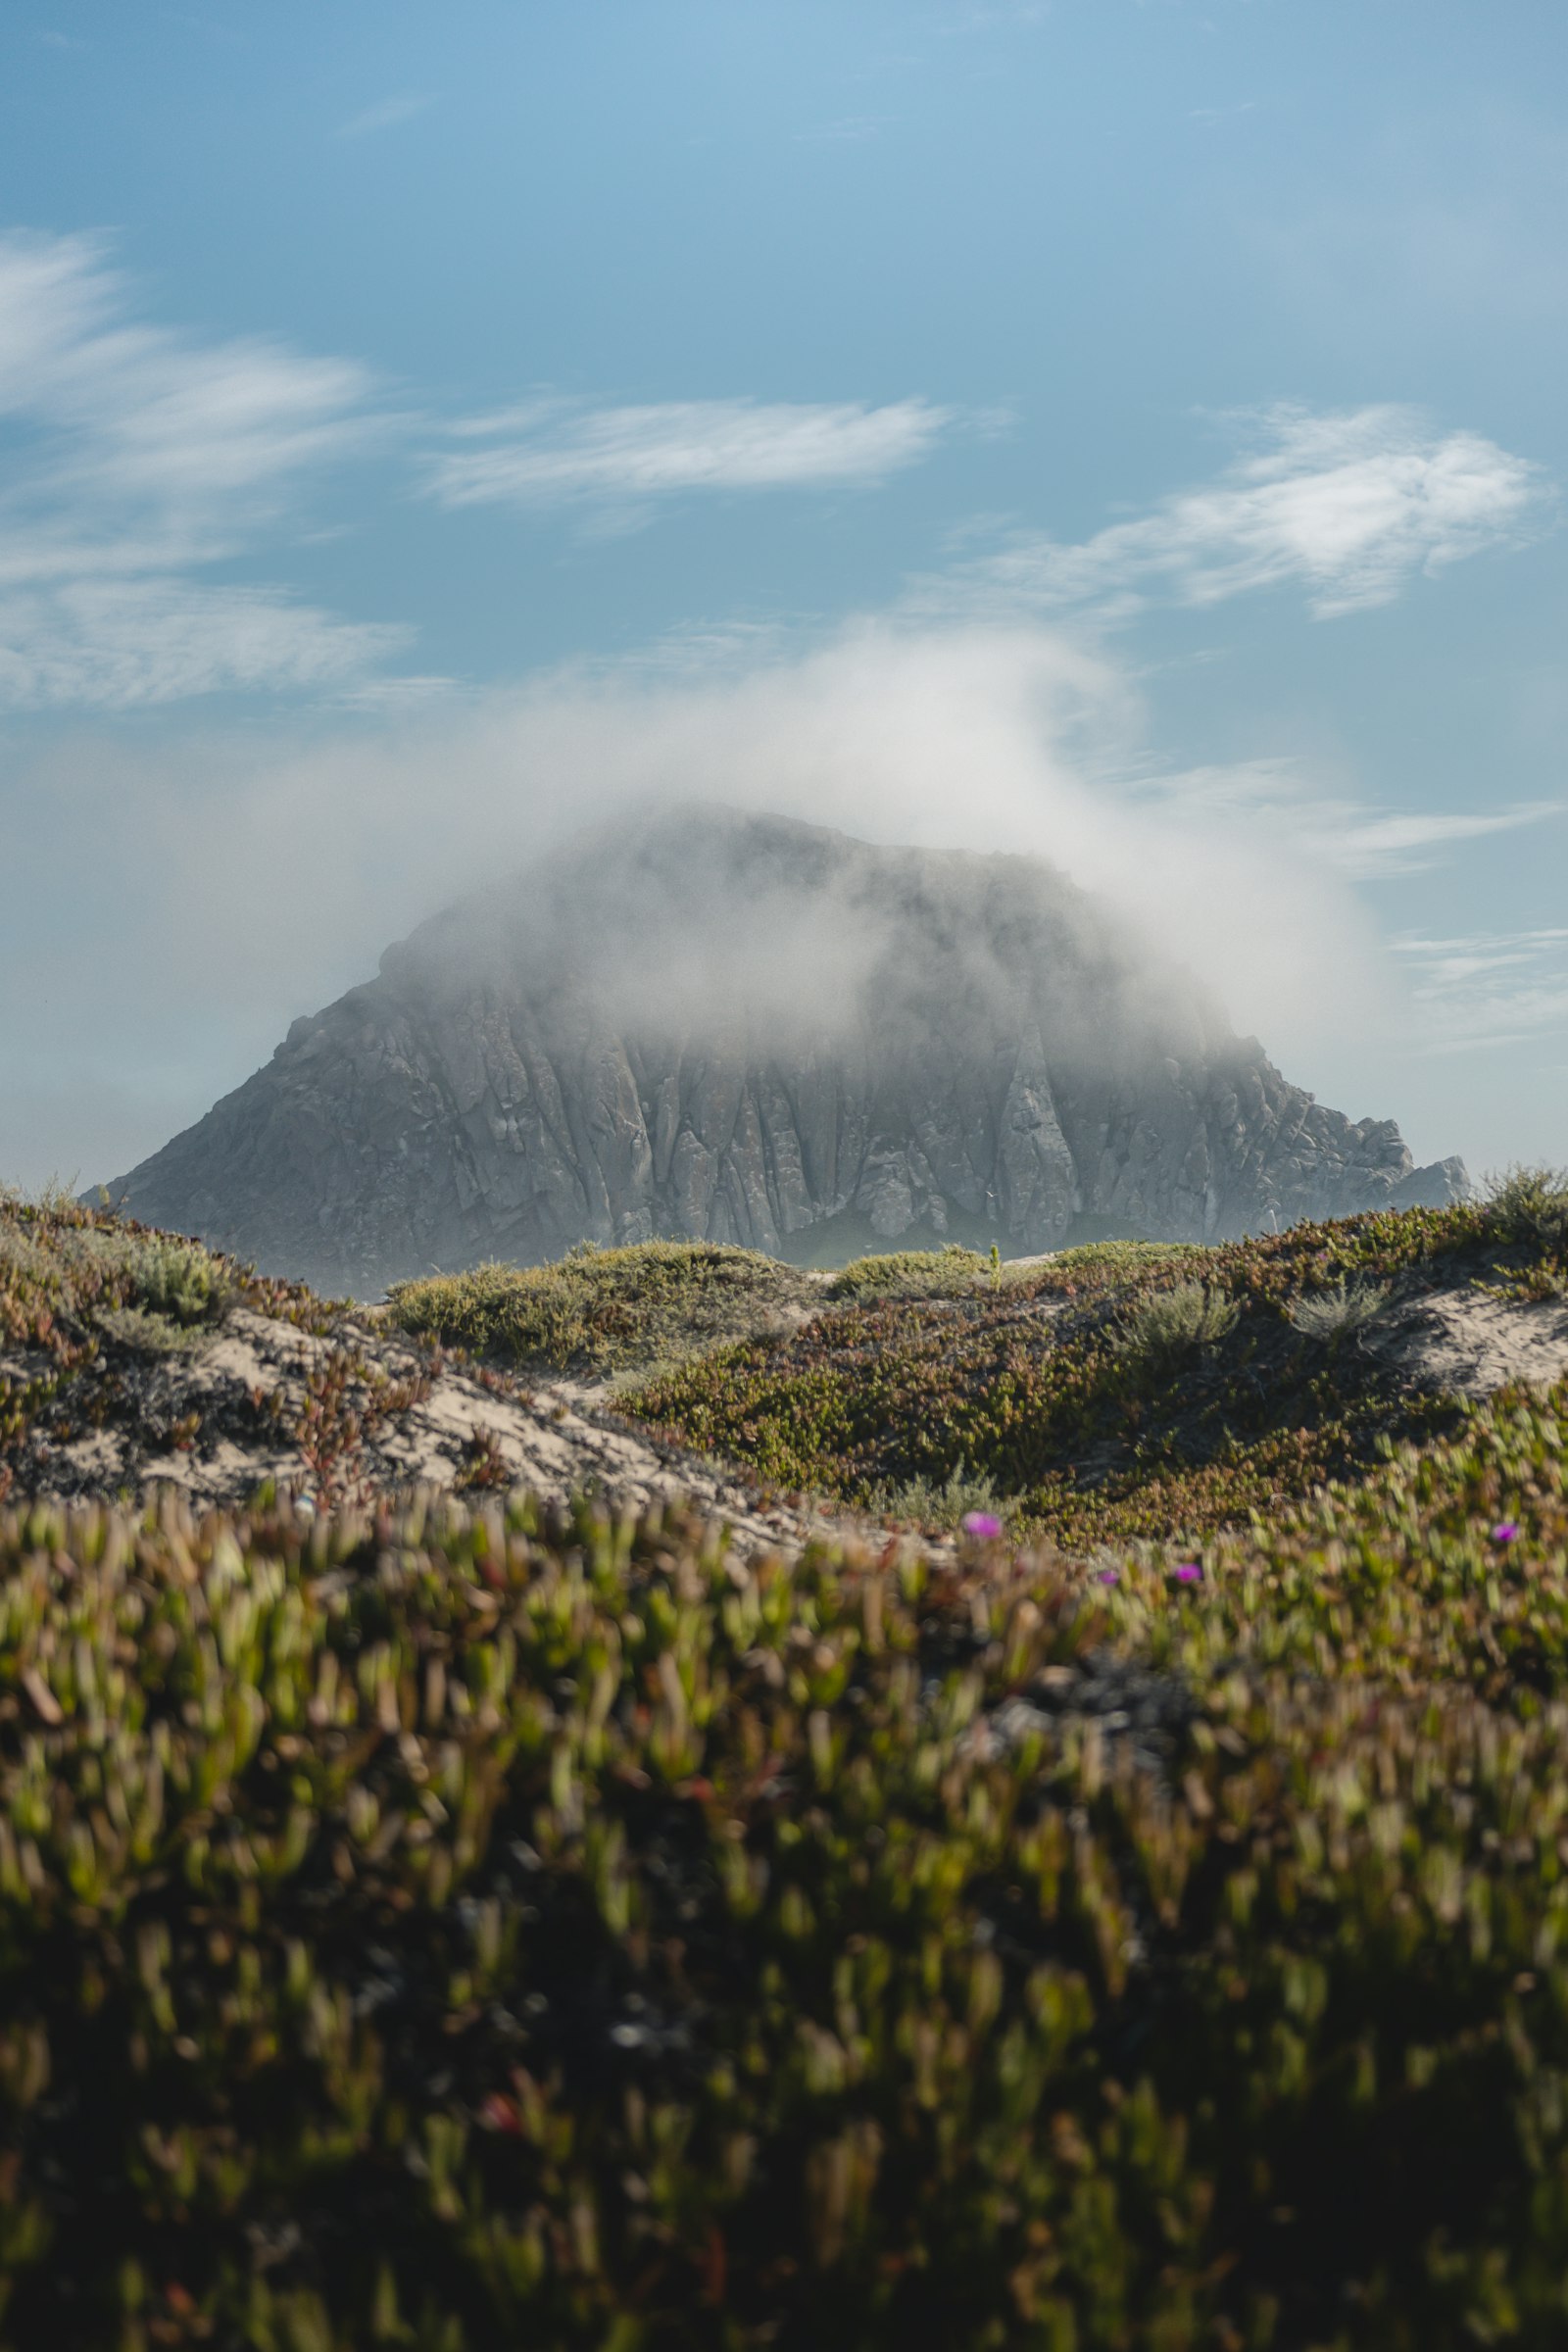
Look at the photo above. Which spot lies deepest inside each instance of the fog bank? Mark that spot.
(178, 909)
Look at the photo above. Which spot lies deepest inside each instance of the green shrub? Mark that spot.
(948, 1273)
(1165, 1326)
(940, 1505)
(1124, 1260)
(178, 1280)
(90, 1264)
(1529, 1205)
(459, 1930)
(601, 1310)
(1339, 1310)
(77, 1286)
(146, 1331)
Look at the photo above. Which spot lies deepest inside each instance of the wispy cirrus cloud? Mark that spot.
(1489, 988)
(385, 115)
(1348, 507)
(1356, 838)
(142, 412)
(125, 644)
(131, 458)
(548, 453)
(1372, 844)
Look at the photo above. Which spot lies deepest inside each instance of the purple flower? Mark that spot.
(1188, 1572)
(1108, 1576)
(1506, 1531)
(983, 1524)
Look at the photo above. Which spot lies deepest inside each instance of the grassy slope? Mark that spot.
(1036, 1385)
(601, 1310)
(656, 1303)
(919, 1383)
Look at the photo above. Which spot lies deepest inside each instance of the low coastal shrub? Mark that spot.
(1529, 1205)
(925, 1502)
(457, 1930)
(1339, 1310)
(178, 1280)
(1123, 1259)
(955, 1272)
(1110, 1392)
(1165, 1326)
(950, 1273)
(78, 1262)
(602, 1310)
(462, 1927)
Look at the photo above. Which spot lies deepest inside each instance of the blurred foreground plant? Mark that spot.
(464, 1929)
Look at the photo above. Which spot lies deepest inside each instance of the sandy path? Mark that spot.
(1467, 1344)
(385, 1421)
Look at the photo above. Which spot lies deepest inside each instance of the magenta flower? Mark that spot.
(1108, 1576)
(1188, 1572)
(1506, 1531)
(983, 1524)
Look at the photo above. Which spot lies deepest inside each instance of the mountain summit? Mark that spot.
(739, 1028)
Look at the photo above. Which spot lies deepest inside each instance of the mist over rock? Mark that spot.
(714, 1025)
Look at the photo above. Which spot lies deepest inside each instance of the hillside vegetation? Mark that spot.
(1117, 1391)
(456, 1931)
(95, 1312)
(133, 1361)
(597, 1311)
(464, 1925)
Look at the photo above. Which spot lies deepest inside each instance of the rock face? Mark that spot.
(744, 1029)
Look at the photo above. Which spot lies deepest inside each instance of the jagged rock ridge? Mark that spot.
(744, 1029)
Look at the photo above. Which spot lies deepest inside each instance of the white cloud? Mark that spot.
(136, 455)
(385, 116)
(1373, 843)
(1363, 842)
(129, 643)
(1489, 988)
(970, 736)
(978, 738)
(542, 452)
(1348, 507)
(143, 412)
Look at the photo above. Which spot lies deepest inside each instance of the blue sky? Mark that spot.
(1130, 432)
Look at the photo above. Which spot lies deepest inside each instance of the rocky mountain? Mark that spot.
(740, 1028)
